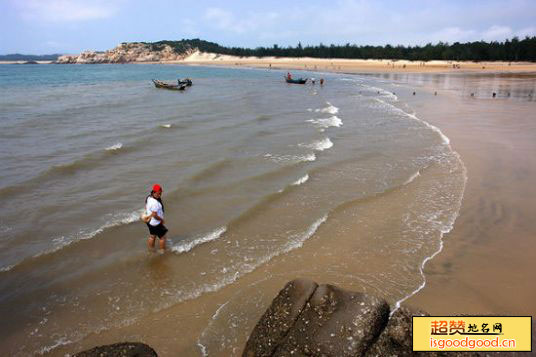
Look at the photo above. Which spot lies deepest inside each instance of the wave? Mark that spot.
(212, 170)
(263, 117)
(114, 147)
(333, 121)
(59, 342)
(301, 180)
(230, 273)
(412, 177)
(186, 247)
(295, 241)
(85, 162)
(330, 109)
(61, 242)
(413, 116)
(319, 145)
(445, 228)
(118, 220)
(291, 158)
(384, 93)
(6, 268)
(166, 126)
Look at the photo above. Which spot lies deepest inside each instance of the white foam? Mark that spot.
(330, 109)
(412, 177)
(186, 247)
(4, 228)
(117, 220)
(445, 228)
(59, 342)
(167, 126)
(115, 147)
(445, 139)
(333, 121)
(384, 93)
(323, 144)
(413, 116)
(291, 158)
(6, 268)
(301, 180)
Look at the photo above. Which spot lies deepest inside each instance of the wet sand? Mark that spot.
(486, 263)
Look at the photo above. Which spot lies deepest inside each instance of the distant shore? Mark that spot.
(23, 62)
(342, 65)
(356, 65)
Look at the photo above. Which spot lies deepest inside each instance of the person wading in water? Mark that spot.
(155, 209)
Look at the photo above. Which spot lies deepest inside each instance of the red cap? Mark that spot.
(157, 187)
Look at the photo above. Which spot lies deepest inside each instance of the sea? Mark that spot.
(263, 182)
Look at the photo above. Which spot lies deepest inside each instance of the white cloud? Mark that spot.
(497, 33)
(452, 34)
(529, 31)
(225, 20)
(66, 10)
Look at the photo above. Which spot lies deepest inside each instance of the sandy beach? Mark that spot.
(357, 65)
(486, 262)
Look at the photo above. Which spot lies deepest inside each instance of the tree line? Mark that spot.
(509, 50)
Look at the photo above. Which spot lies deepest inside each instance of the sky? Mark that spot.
(72, 26)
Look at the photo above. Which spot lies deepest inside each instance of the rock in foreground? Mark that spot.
(124, 349)
(307, 319)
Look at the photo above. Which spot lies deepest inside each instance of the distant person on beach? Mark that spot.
(289, 76)
(155, 209)
(321, 81)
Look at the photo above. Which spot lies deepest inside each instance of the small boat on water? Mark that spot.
(295, 81)
(160, 84)
(186, 81)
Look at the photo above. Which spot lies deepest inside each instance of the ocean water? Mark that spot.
(344, 178)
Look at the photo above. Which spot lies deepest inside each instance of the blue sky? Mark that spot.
(71, 26)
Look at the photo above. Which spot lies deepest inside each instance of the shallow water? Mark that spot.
(342, 179)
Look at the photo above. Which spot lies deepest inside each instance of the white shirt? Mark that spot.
(154, 206)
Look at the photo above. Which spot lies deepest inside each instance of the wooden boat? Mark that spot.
(295, 81)
(160, 84)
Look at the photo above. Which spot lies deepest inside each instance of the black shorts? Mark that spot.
(158, 231)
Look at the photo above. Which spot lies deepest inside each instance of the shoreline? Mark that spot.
(338, 65)
(355, 66)
(493, 222)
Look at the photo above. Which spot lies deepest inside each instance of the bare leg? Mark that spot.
(150, 242)
(162, 243)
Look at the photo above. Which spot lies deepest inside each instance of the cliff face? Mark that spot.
(128, 52)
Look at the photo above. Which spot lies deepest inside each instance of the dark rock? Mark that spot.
(123, 349)
(397, 337)
(336, 322)
(279, 318)
(310, 320)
